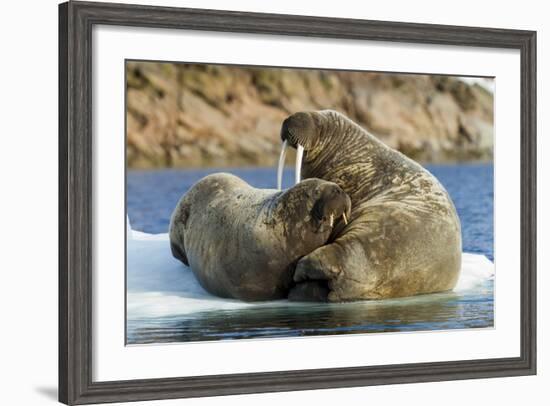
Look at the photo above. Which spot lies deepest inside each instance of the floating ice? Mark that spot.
(476, 269)
(128, 229)
(159, 285)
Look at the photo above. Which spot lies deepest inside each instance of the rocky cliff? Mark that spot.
(188, 115)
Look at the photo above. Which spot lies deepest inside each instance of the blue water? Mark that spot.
(152, 195)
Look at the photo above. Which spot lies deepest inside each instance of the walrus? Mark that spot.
(403, 237)
(243, 243)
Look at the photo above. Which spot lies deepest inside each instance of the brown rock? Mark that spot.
(195, 115)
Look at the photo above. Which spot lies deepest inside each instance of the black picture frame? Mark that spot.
(76, 20)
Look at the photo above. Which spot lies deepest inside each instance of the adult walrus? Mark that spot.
(403, 237)
(242, 242)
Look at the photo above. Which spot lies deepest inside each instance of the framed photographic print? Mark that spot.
(259, 202)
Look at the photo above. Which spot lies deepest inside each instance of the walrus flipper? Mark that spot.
(309, 291)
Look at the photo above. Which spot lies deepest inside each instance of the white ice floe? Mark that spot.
(159, 285)
(476, 269)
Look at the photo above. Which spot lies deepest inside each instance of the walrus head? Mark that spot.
(331, 204)
(321, 203)
(326, 140)
(299, 131)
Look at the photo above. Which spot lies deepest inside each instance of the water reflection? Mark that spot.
(430, 312)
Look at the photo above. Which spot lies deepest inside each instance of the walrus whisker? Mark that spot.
(345, 218)
(281, 165)
(299, 156)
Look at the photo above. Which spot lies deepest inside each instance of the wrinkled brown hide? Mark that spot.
(242, 242)
(403, 237)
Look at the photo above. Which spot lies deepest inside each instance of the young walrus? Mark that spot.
(243, 243)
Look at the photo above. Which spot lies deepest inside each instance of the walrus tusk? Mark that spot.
(331, 220)
(298, 171)
(281, 165)
(345, 218)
